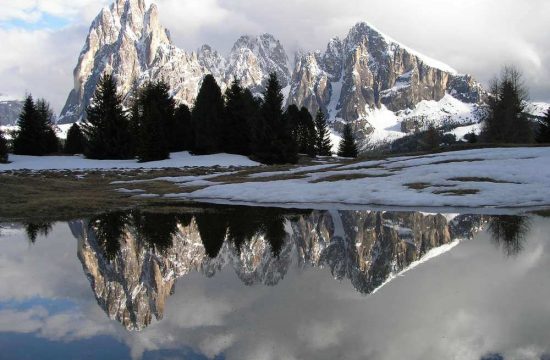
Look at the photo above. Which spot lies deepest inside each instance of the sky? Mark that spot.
(42, 39)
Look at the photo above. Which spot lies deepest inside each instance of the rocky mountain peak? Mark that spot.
(355, 79)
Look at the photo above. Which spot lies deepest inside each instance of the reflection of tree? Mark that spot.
(215, 225)
(109, 228)
(509, 231)
(156, 229)
(245, 223)
(212, 230)
(35, 229)
(274, 229)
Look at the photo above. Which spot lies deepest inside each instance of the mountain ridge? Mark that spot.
(356, 79)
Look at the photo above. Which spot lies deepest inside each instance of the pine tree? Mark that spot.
(348, 147)
(543, 135)
(185, 134)
(166, 105)
(107, 129)
(49, 141)
(149, 109)
(323, 145)
(431, 139)
(3, 148)
(274, 142)
(207, 117)
(75, 140)
(303, 129)
(36, 135)
(27, 138)
(239, 111)
(506, 121)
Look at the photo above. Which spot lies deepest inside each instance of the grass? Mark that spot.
(481, 179)
(418, 186)
(450, 161)
(347, 177)
(456, 192)
(64, 196)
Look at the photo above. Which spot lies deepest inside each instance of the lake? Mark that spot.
(219, 282)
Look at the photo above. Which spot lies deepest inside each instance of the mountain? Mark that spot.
(371, 80)
(366, 248)
(384, 88)
(9, 110)
(128, 41)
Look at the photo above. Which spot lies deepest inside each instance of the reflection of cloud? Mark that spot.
(467, 303)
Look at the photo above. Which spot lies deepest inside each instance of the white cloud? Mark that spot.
(473, 36)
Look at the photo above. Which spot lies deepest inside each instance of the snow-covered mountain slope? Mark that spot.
(383, 87)
(10, 107)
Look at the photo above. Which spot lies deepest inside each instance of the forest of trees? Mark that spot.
(236, 122)
(36, 135)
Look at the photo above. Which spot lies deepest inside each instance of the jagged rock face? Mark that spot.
(367, 70)
(128, 41)
(367, 248)
(364, 72)
(252, 59)
(9, 112)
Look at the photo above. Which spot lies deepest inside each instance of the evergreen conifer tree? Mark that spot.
(274, 140)
(506, 121)
(36, 135)
(49, 141)
(27, 138)
(75, 140)
(152, 142)
(3, 148)
(207, 117)
(431, 139)
(107, 129)
(239, 111)
(303, 129)
(348, 147)
(543, 135)
(185, 134)
(323, 145)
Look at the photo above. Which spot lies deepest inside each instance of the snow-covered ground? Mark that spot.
(502, 177)
(177, 160)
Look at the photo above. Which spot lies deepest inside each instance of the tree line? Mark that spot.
(235, 122)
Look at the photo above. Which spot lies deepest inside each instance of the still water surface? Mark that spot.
(259, 283)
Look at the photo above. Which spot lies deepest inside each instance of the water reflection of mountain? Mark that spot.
(132, 259)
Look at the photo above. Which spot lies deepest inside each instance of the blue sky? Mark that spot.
(46, 21)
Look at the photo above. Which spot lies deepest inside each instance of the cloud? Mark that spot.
(472, 36)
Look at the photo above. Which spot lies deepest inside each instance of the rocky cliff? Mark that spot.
(366, 78)
(363, 247)
(128, 41)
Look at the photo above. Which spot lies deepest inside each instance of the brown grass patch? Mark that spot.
(346, 177)
(456, 192)
(418, 186)
(451, 161)
(480, 179)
